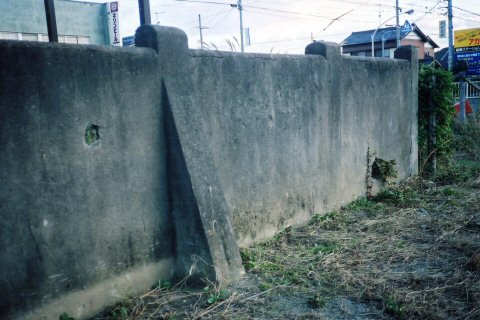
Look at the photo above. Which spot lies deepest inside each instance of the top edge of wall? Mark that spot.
(73, 47)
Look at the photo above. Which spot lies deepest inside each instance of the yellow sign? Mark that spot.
(467, 38)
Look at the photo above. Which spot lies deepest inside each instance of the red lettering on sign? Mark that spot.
(474, 41)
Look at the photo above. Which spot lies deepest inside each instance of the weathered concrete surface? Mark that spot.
(288, 136)
(76, 215)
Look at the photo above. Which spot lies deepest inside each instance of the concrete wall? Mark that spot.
(82, 225)
(73, 18)
(289, 135)
(199, 152)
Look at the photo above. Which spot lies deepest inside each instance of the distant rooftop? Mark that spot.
(388, 34)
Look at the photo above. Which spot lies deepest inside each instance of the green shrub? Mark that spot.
(439, 92)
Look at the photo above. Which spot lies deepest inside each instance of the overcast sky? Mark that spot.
(287, 26)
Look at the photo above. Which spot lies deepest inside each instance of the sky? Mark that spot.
(287, 26)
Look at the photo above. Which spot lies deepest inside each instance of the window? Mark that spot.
(83, 40)
(9, 35)
(43, 37)
(29, 37)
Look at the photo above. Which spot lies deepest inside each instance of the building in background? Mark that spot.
(360, 43)
(77, 22)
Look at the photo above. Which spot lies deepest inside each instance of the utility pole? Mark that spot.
(432, 128)
(450, 36)
(200, 28)
(240, 9)
(397, 9)
(51, 20)
(144, 8)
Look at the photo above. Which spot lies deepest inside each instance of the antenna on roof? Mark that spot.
(379, 13)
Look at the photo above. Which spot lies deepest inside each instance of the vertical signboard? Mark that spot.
(113, 23)
(442, 29)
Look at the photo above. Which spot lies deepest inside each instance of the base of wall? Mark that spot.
(86, 303)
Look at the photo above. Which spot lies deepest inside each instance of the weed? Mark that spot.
(404, 197)
(384, 170)
(364, 204)
(121, 312)
(333, 220)
(394, 308)
(65, 316)
(457, 171)
(92, 134)
(164, 285)
(324, 248)
(248, 259)
(317, 301)
(466, 140)
(400, 244)
(263, 286)
(216, 294)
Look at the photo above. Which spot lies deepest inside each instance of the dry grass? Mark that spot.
(410, 253)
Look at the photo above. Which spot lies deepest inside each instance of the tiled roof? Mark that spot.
(389, 33)
(362, 37)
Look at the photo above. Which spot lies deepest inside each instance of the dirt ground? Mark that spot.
(410, 252)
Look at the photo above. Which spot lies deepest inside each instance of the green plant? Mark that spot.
(384, 170)
(65, 316)
(91, 134)
(457, 171)
(435, 88)
(248, 259)
(164, 285)
(363, 204)
(216, 294)
(399, 197)
(324, 248)
(317, 301)
(394, 308)
(120, 312)
(466, 140)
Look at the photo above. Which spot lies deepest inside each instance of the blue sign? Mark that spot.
(128, 41)
(407, 27)
(473, 62)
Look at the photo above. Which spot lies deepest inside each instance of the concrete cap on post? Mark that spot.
(170, 43)
(328, 50)
(409, 53)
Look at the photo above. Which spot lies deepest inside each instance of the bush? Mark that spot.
(439, 93)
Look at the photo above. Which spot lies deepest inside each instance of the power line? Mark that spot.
(467, 11)
(259, 8)
(429, 11)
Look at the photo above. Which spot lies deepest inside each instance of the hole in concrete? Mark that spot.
(92, 134)
(383, 169)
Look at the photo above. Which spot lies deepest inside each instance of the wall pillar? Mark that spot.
(410, 53)
(205, 240)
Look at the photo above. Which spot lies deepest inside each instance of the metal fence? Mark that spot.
(470, 91)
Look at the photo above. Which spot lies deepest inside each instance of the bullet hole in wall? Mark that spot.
(92, 135)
